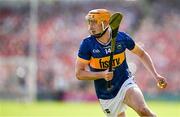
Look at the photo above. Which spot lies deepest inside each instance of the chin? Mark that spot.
(92, 32)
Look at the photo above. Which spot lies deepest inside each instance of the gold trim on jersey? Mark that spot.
(103, 63)
(83, 60)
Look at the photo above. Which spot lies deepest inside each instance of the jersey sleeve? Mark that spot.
(129, 42)
(84, 53)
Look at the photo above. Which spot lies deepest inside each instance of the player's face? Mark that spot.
(94, 27)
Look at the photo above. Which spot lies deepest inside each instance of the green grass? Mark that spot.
(59, 109)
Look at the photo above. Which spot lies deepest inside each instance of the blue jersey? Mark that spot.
(98, 55)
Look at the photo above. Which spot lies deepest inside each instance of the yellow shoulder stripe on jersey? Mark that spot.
(83, 60)
(103, 63)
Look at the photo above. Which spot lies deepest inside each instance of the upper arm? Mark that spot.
(81, 64)
(83, 58)
(139, 51)
(132, 46)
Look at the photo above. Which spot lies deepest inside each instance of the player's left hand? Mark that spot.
(161, 82)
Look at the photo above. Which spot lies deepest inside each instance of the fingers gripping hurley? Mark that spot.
(115, 20)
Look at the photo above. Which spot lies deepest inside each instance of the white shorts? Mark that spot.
(112, 107)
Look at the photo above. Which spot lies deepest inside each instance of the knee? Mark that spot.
(144, 111)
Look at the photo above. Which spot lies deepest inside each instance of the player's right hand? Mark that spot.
(108, 75)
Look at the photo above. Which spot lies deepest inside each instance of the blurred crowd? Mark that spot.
(61, 27)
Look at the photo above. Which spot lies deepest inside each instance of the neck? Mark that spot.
(105, 38)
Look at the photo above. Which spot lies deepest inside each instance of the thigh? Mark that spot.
(112, 107)
(134, 98)
(122, 114)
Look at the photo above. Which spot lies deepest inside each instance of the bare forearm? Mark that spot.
(88, 75)
(147, 61)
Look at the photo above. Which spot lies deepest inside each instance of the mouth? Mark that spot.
(93, 31)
